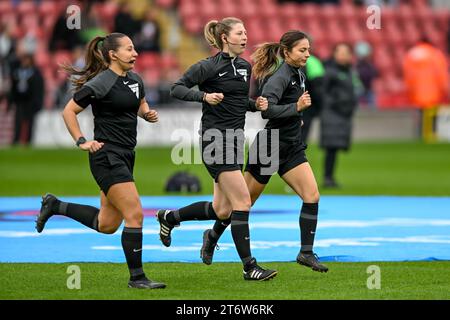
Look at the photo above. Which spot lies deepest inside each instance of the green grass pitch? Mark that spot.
(415, 169)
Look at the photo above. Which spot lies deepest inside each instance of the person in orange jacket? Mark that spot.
(425, 72)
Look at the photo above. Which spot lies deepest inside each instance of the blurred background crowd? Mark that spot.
(400, 63)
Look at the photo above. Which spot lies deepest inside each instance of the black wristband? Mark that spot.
(81, 140)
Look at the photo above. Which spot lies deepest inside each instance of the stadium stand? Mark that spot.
(265, 20)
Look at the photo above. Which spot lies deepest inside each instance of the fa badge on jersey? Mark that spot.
(243, 72)
(135, 88)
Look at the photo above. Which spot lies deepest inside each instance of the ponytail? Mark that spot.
(266, 59)
(97, 59)
(214, 29)
(210, 34)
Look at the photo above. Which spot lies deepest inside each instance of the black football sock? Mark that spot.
(196, 211)
(308, 224)
(84, 214)
(241, 234)
(218, 229)
(132, 247)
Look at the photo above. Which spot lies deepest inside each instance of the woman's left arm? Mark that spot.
(146, 113)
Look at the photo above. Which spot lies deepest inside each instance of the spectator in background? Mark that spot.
(168, 78)
(124, 21)
(425, 73)
(147, 39)
(66, 89)
(366, 71)
(315, 72)
(26, 95)
(341, 88)
(7, 45)
(63, 38)
(91, 24)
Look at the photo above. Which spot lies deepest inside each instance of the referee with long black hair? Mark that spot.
(117, 98)
(279, 66)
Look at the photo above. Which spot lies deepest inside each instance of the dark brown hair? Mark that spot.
(97, 59)
(214, 30)
(266, 56)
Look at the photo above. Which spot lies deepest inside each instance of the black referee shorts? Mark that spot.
(220, 154)
(112, 164)
(266, 158)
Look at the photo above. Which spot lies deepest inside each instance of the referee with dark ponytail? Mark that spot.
(117, 97)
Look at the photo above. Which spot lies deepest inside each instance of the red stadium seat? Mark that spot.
(328, 12)
(168, 61)
(209, 11)
(61, 56)
(334, 33)
(187, 9)
(268, 11)
(290, 11)
(248, 10)
(42, 58)
(26, 8)
(346, 12)
(406, 13)
(107, 11)
(442, 18)
(354, 34)
(50, 8)
(6, 7)
(315, 31)
(310, 11)
(393, 33)
(411, 33)
(228, 9)
(147, 60)
(193, 24)
(151, 77)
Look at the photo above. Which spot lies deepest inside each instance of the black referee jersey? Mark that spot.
(282, 90)
(221, 74)
(115, 102)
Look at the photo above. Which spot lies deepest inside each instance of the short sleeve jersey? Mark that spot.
(115, 102)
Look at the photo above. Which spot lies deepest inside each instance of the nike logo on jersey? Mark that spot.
(125, 82)
(135, 88)
(293, 82)
(222, 74)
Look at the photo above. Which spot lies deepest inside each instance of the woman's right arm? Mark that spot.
(273, 90)
(195, 75)
(69, 114)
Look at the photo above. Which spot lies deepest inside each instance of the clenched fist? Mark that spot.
(304, 101)
(261, 104)
(213, 98)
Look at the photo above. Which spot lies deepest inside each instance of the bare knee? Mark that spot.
(243, 204)
(223, 212)
(312, 196)
(134, 218)
(108, 229)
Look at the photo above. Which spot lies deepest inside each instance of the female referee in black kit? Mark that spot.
(117, 98)
(284, 88)
(224, 83)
